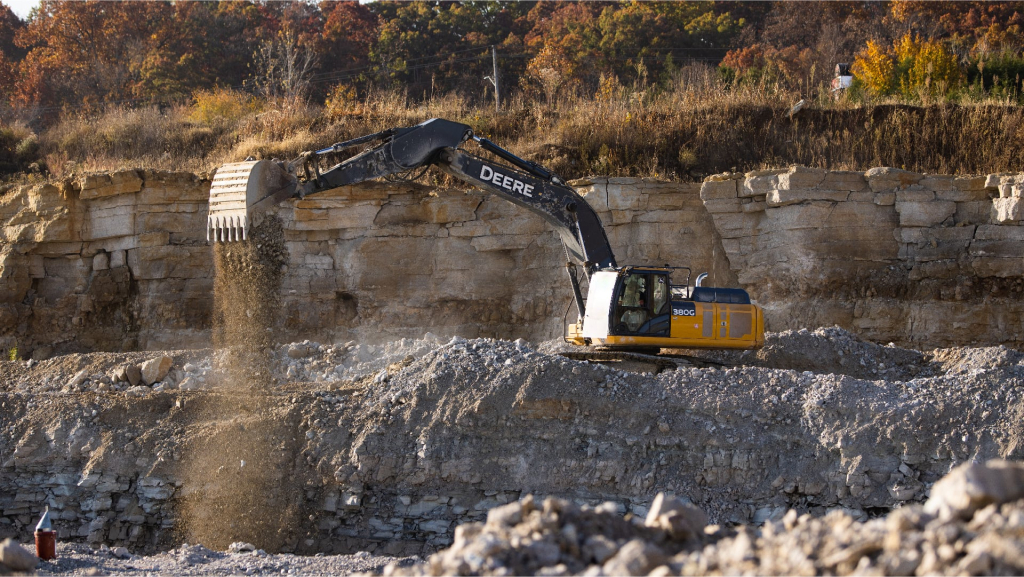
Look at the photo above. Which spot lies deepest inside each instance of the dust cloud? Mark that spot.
(235, 468)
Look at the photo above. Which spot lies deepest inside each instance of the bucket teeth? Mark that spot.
(227, 229)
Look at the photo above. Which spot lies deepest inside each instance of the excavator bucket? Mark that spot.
(240, 192)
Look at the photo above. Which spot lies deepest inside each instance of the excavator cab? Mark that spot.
(640, 308)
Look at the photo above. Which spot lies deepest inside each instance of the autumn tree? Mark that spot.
(86, 53)
(349, 31)
(439, 46)
(10, 52)
(925, 67)
(875, 68)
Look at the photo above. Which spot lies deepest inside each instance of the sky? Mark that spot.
(21, 7)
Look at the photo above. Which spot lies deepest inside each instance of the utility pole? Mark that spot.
(497, 94)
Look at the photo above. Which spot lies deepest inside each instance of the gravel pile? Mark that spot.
(973, 524)
(311, 361)
(406, 441)
(80, 559)
(830, 350)
(823, 351)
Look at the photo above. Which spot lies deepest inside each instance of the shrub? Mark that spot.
(1000, 75)
(19, 149)
(874, 67)
(341, 101)
(221, 105)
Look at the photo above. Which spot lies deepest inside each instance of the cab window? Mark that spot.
(660, 293)
(633, 290)
(632, 304)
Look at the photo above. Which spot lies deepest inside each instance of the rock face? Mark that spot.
(120, 261)
(86, 264)
(889, 254)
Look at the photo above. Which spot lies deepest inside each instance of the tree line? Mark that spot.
(80, 57)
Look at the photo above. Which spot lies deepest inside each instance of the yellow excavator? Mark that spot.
(627, 308)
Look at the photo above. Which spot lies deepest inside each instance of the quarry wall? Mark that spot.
(120, 261)
(892, 255)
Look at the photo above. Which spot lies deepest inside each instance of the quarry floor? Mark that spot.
(844, 432)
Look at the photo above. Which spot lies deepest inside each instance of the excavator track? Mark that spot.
(658, 362)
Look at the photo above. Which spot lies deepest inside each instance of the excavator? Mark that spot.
(634, 309)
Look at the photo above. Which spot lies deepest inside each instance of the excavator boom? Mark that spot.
(242, 190)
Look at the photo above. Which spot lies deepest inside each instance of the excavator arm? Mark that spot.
(630, 308)
(241, 191)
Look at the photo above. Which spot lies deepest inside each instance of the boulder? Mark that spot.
(800, 177)
(680, 520)
(101, 261)
(133, 374)
(718, 189)
(635, 558)
(241, 547)
(16, 557)
(1008, 210)
(99, 185)
(79, 378)
(885, 178)
(300, 350)
(154, 370)
(972, 486)
(121, 553)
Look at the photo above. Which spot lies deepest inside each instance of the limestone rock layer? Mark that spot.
(120, 261)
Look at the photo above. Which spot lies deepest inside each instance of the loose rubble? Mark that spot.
(557, 537)
(389, 449)
(81, 559)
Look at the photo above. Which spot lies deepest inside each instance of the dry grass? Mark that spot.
(699, 127)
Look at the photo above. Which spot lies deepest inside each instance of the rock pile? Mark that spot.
(312, 361)
(132, 373)
(973, 524)
(427, 436)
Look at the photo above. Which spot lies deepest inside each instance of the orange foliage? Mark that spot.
(746, 58)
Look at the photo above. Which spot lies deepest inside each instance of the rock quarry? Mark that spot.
(389, 396)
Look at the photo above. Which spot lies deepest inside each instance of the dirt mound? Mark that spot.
(561, 538)
(967, 360)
